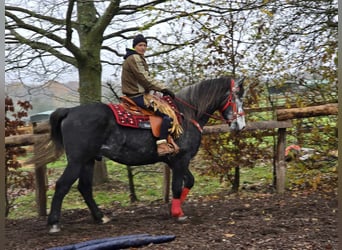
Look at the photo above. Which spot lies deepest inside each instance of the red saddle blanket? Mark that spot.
(126, 117)
(133, 117)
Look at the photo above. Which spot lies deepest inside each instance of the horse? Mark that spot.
(88, 131)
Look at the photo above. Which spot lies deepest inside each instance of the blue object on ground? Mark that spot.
(119, 242)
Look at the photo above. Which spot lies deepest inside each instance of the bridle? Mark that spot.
(231, 102)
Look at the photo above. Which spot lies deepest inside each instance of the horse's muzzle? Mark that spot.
(238, 124)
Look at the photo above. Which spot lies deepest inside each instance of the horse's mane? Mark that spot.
(204, 96)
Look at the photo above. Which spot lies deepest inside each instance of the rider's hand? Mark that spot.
(169, 93)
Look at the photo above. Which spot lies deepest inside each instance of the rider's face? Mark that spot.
(141, 48)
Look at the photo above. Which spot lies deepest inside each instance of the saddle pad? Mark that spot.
(136, 119)
(127, 118)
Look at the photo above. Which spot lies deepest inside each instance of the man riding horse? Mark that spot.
(74, 132)
(138, 85)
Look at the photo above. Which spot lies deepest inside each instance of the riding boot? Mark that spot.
(172, 142)
(164, 148)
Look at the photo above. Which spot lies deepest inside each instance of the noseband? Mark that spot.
(231, 102)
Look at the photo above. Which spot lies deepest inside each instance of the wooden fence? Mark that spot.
(284, 116)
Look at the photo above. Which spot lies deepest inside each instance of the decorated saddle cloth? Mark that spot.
(128, 114)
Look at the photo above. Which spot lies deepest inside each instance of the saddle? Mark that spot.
(129, 114)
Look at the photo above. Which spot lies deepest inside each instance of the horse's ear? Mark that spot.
(239, 84)
(240, 81)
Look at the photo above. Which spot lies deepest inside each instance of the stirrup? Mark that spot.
(164, 148)
(174, 145)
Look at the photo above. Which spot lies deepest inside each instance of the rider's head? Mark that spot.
(140, 44)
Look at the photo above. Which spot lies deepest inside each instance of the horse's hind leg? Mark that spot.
(85, 187)
(63, 186)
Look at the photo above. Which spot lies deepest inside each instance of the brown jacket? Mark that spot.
(135, 77)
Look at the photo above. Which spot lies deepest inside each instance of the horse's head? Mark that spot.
(232, 110)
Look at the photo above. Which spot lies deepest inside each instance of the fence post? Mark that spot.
(40, 183)
(280, 161)
(166, 184)
(132, 195)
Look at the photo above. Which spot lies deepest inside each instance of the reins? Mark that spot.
(216, 117)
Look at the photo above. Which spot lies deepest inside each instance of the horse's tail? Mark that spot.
(56, 119)
(50, 147)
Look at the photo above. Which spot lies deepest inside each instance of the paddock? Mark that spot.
(41, 131)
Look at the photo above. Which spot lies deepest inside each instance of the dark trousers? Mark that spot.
(166, 123)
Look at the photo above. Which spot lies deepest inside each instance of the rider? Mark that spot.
(136, 82)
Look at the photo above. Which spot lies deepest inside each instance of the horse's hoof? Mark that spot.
(105, 220)
(54, 229)
(182, 218)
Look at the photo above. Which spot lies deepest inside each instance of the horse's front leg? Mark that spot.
(182, 182)
(189, 181)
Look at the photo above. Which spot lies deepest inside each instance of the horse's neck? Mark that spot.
(202, 120)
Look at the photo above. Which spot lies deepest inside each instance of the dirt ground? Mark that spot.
(294, 220)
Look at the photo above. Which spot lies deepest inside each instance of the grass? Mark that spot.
(259, 174)
(148, 186)
(148, 182)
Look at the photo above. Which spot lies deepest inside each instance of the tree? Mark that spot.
(271, 43)
(298, 40)
(82, 34)
(37, 33)
(269, 40)
(87, 34)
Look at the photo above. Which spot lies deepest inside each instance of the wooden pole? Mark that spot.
(24, 140)
(166, 184)
(321, 110)
(41, 185)
(280, 161)
(132, 195)
(251, 126)
(40, 174)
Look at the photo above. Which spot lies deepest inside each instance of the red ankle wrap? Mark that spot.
(184, 194)
(176, 210)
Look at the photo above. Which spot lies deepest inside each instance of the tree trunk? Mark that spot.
(89, 58)
(90, 91)
(90, 81)
(100, 172)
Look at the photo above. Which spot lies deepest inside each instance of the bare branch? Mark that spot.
(30, 13)
(45, 47)
(68, 23)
